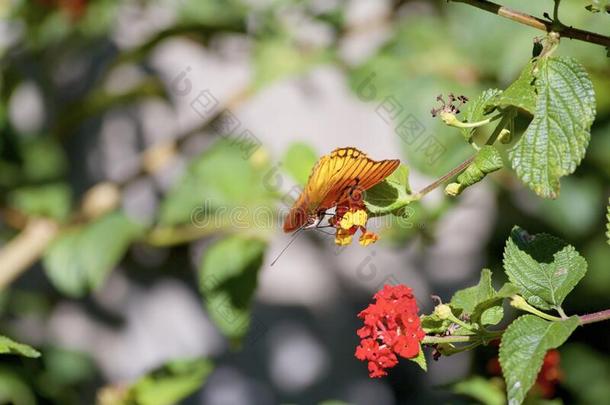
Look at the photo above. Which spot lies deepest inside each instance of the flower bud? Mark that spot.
(443, 311)
(453, 189)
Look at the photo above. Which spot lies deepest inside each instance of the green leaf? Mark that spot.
(420, 360)
(490, 311)
(482, 303)
(468, 298)
(171, 383)
(487, 392)
(487, 160)
(523, 347)
(226, 176)
(9, 346)
(51, 200)
(432, 324)
(478, 109)
(543, 267)
(390, 195)
(227, 279)
(79, 260)
(556, 140)
(521, 93)
(14, 389)
(299, 160)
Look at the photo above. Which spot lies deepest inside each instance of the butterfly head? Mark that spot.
(300, 218)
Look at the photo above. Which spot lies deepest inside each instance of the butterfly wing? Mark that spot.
(333, 179)
(356, 172)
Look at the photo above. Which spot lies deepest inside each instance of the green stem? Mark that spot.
(561, 312)
(507, 117)
(461, 323)
(431, 340)
(519, 302)
(451, 120)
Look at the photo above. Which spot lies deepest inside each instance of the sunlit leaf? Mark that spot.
(521, 93)
(9, 346)
(543, 267)
(478, 109)
(555, 141)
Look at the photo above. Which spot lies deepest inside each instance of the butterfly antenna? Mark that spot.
(294, 237)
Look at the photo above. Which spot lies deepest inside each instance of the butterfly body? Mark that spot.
(339, 178)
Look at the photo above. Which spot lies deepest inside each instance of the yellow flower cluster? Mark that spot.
(349, 224)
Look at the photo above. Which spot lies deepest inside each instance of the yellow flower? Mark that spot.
(360, 217)
(367, 238)
(347, 221)
(353, 218)
(343, 237)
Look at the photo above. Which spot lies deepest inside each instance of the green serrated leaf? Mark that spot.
(555, 141)
(171, 383)
(521, 93)
(80, 259)
(468, 298)
(487, 392)
(477, 109)
(433, 324)
(227, 279)
(299, 159)
(490, 311)
(9, 346)
(420, 360)
(543, 267)
(523, 347)
(391, 194)
(482, 303)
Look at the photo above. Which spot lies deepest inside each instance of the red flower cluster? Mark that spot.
(391, 327)
(550, 374)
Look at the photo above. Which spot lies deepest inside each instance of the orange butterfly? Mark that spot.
(337, 180)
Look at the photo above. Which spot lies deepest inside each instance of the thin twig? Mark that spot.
(595, 317)
(538, 23)
(456, 170)
(25, 249)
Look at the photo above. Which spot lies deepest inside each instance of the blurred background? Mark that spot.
(148, 150)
